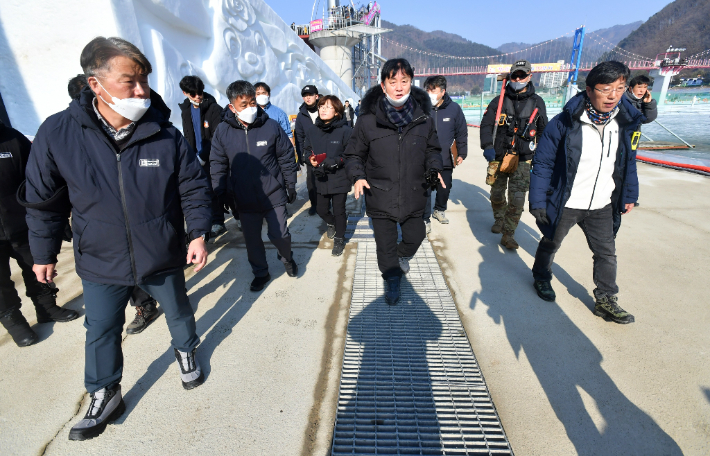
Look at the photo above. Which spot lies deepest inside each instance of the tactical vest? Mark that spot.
(516, 120)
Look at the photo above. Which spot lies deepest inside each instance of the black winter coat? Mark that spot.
(392, 160)
(303, 125)
(450, 124)
(14, 152)
(128, 206)
(649, 110)
(253, 165)
(519, 101)
(330, 139)
(210, 117)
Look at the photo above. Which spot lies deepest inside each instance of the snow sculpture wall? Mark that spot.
(218, 40)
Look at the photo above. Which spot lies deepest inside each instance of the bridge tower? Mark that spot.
(668, 65)
(574, 60)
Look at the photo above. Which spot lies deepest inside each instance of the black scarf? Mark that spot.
(399, 117)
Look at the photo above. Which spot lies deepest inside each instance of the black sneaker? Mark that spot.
(291, 266)
(312, 210)
(190, 372)
(544, 290)
(338, 246)
(607, 308)
(392, 290)
(145, 315)
(331, 231)
(258, 283)
(106, 406)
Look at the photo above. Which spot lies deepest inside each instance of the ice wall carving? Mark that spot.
(218, 40)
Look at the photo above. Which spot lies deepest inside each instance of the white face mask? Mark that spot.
(434, 99)
(262, 100)
(195, 103)
(130, 108)
(247, 114)
(397, 103)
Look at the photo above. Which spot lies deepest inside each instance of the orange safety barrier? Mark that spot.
(705, 169)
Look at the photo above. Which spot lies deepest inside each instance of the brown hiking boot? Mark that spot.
(508, 242)
(497, 227)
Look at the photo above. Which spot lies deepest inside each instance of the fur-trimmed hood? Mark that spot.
(371, 100)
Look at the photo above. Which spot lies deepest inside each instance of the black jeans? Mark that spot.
(338, 217)
(598, 227)
(311, 186)
(277, 226)
(442, 194)
(19, 250)
(388, 251)
(140, 298)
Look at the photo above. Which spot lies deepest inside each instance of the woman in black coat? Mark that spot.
(324, 146)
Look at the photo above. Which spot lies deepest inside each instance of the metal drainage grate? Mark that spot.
(410, 382)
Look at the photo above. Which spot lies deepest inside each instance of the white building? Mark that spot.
(552, 80)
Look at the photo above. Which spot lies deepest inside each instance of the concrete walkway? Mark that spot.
(563, 381)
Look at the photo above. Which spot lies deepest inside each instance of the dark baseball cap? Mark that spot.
(309, 90)
(521, 65)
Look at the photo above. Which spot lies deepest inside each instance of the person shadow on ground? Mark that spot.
(386, 396)
(563, 358)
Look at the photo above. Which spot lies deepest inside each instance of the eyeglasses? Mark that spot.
(609, 90)
(326, 107)
(194, 94)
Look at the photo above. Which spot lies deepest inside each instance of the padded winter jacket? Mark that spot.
(649, 110)
(330, 139)
(210, 117)
(393, 160)
(253, 165)
(450, 124)
(14, 152)
(128, 205)
(557, 157)
(303, 125)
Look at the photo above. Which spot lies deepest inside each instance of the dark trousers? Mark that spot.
(139, 298)
(598, 228)
(442, 194)
(217, 206)
(19, 250)
(388, 251)
(311, 186)
(105, 315)
(338, 217)
(277, 230)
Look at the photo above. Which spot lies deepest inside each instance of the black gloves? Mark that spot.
(291, 193)
(332, 164)
(541, 216)
(432, 178)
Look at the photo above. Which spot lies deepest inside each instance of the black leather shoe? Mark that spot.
(312, 210)
(258, 283)
(544, 290)
(392, 291)
(291, 266)
(19, 329)
(106, 406)
(47, 309)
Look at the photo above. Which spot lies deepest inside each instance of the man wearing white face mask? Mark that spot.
(393, 158)
(130, 180)
(253, 162)
(263, 99)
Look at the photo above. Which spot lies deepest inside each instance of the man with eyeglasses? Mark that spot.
(200, 116)
(514, 136)
(584, 173)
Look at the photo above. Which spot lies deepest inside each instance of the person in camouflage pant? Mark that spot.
(507, 213)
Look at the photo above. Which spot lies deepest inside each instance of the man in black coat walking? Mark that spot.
(131, 181)
(305, 120)
(200, 117)
(252, 161)
(14, 153)
(450, 126)
(393, 158)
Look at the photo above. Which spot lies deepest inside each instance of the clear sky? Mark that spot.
(493, 22)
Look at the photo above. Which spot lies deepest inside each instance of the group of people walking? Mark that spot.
(145, 198)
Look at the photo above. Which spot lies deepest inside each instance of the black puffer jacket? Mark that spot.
(330, 139)
(254, 165)
(210, 117)
(505, 132)
(128, 205)
(14, 152)
(303, 125)
(450, 125)
(393, 160)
